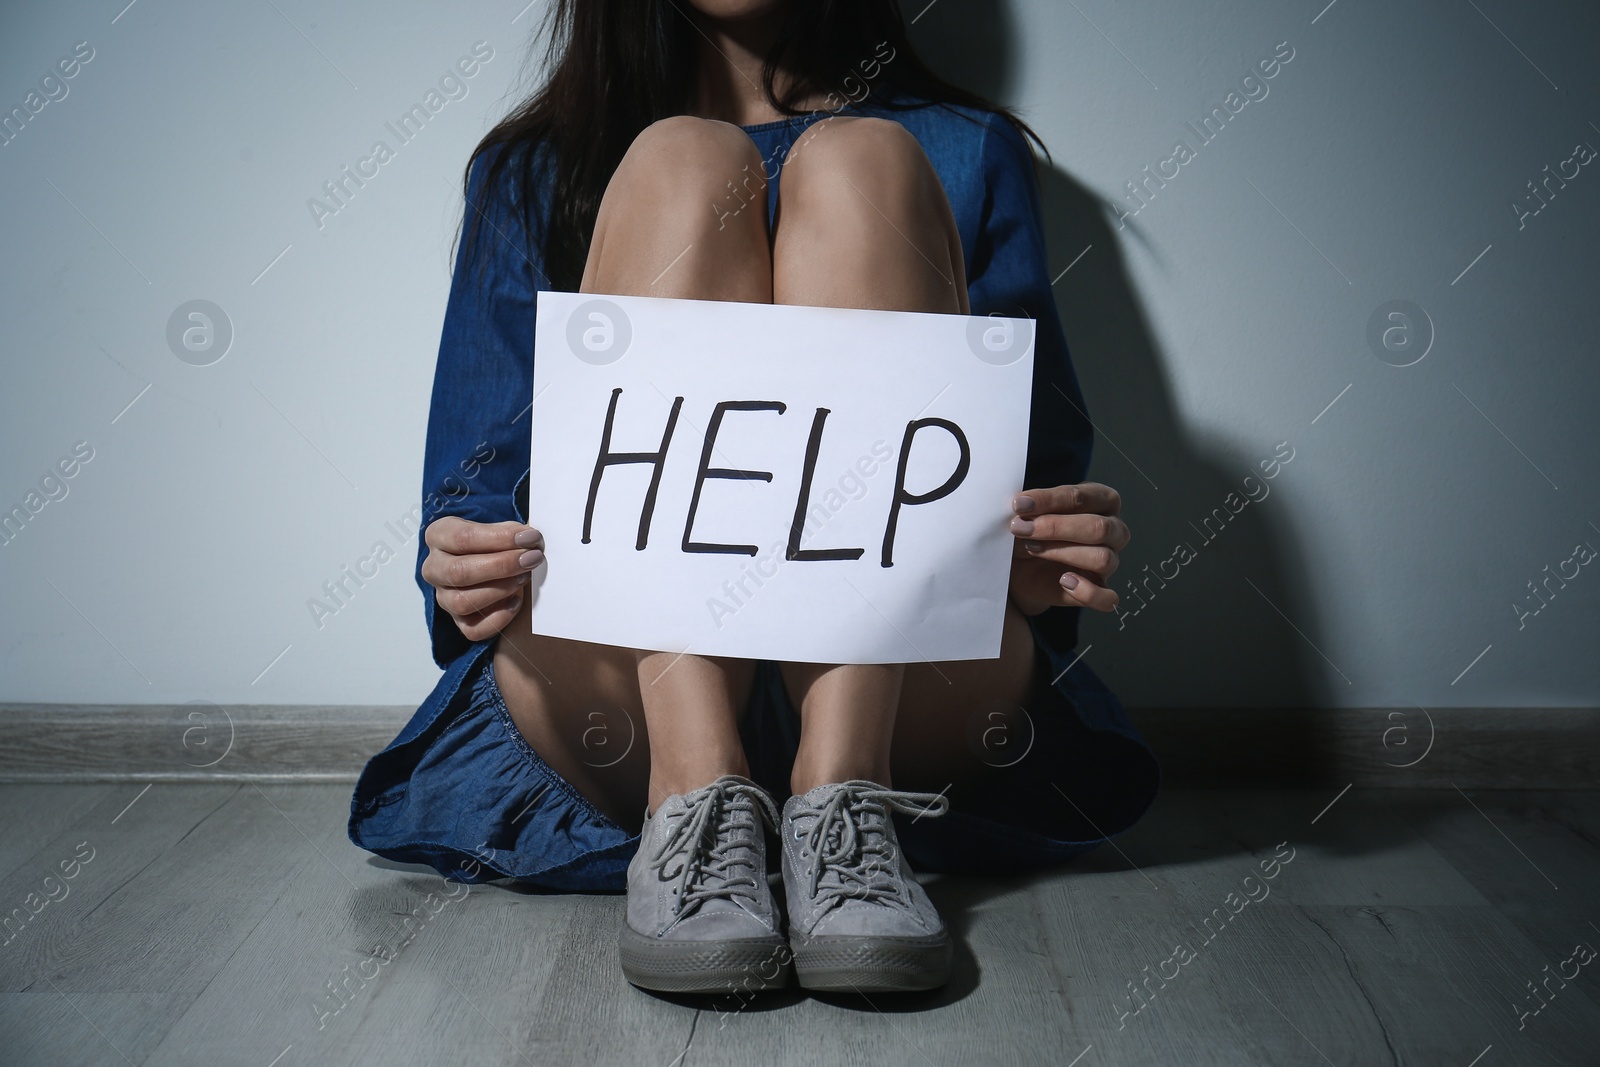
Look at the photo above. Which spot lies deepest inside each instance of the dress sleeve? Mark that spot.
(1010, 276)
(476, 455)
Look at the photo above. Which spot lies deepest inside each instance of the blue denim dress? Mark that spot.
(460, 790)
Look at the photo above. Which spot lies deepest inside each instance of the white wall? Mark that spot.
(1213, 327)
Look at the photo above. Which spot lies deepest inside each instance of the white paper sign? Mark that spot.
(769, 481)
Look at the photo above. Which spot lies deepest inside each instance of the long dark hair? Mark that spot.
(616, 66)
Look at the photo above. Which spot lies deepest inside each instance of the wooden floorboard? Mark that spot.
(235, 923)
(989, 1014)
(42, 1027)
(309, 975)
(1536, 858)
(37, 813)
(578, 1016)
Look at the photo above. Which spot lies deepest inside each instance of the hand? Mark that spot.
(479, 570)
(1067, 540)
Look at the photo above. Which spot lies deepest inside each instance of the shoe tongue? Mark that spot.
(867, 815)
(820, 795)
(869, 863)
(735, 811)
(865, 811)
(681, 802)
(737, 852)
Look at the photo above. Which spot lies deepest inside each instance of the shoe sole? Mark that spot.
(732, 966)
(871, 964)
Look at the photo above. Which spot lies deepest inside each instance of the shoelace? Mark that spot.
(857, 854)
(696, 838)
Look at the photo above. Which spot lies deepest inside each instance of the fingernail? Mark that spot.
(1022, 504)
(1069, 580)
(521, 578)
(530, 560)
(1033, 546)
(529, 538)
(1022, 526)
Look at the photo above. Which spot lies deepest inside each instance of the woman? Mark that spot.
(786, 151)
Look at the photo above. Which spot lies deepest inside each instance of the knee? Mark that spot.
(690, 158)
(872, 153)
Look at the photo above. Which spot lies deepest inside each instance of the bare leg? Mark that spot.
(958, 720)
(657, 234)
(863, 222)
(577, 705)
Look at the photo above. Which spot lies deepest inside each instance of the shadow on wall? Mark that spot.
(1204, 638)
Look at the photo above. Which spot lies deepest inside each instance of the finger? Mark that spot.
(1041, 583)
(465, 602)
(462, 537)
(1099, 561)
(485, 624)
(1084, 529)
(1080, 589)
(444, 570)
(1090, 497)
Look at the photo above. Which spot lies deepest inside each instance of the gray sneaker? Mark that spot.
(858, 919)
(700, 913)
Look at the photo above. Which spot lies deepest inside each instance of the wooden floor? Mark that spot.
(213, 924)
